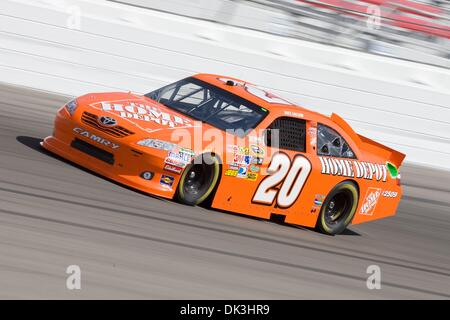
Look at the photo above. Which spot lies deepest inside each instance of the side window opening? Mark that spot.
(332, 144)
(290, 133)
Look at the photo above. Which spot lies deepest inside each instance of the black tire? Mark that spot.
(338, 208)
(198, 180)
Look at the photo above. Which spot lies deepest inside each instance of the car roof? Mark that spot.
(286, 109)
(282, 107)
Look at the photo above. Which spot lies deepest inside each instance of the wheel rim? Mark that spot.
(337, 208)
(196, 180)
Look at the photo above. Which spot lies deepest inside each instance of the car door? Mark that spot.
(275, 186)
(289, 167)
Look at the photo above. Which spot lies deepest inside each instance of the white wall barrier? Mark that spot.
(80, 46)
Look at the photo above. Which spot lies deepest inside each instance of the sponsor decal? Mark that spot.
(390, 194)
(315, 209)
(179, 159)
(257, 160)
(157, 144)
(242, 172)
(95, 138)
(252, 176)
(294, 114)
(254, 168)
(181, 156)
(175, 162)
(172, 168)
(257, 150)
(231, 172)
(353, 169)
(187, 151)
(166, 180)
(370, 201)
(318, 199)
(312, 132)
(238, 150)
(242, 159)
(144, 112)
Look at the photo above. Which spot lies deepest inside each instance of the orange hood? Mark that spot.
(138, 111)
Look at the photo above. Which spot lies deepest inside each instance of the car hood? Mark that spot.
(138, 111)
(143, 115)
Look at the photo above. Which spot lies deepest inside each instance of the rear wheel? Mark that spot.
(198, 180)
(338, 208)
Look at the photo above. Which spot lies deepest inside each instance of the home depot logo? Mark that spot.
(370, 201)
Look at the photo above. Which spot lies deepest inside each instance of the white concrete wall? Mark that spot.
(118, 47)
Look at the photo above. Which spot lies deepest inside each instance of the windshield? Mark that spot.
(205, 102)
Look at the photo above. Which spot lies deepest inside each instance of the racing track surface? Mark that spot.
(129, 245)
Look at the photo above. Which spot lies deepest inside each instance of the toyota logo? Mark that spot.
(107, 121)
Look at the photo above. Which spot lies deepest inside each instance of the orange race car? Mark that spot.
(230, 144)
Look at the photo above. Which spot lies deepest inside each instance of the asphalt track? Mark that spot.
(129, 245)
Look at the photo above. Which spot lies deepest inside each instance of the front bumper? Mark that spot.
(124, 164)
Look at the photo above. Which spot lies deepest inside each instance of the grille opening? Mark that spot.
(291, 133)
(117, 131)
(93, 151)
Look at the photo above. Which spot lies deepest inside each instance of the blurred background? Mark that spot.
(417, 30)
(382, 65)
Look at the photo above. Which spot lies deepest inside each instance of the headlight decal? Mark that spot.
(157, 144)
(71, 106)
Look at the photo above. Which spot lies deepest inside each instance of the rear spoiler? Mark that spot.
(368, 145)
(393, 156)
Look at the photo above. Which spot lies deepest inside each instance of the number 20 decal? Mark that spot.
(292, 177)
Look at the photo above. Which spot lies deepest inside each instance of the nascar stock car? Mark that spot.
(220, 141)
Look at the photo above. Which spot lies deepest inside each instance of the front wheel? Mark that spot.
(338, 208)
(198, 180)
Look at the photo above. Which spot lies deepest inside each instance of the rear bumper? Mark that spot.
(125, 164)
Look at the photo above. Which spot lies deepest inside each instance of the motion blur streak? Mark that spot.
(129, 245)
